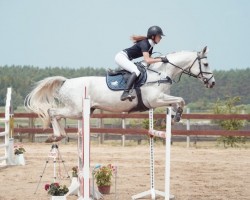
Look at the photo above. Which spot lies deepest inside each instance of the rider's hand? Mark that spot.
(164, 60)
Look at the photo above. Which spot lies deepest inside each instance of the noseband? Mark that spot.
(188, 71)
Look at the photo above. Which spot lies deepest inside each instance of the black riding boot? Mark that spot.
(126, 95)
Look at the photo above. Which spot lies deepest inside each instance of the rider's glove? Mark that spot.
(164, 60)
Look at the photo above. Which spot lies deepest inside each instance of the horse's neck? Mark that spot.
(181, 60)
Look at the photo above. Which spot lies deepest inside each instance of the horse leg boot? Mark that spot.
(178, 114)
(126, 94)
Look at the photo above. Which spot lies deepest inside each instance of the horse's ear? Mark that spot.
(205, 50)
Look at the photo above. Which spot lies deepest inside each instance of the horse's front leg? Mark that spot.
(167, 100)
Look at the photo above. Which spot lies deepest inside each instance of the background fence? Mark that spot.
(32, 128)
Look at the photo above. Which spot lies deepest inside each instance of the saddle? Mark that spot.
(116, 79)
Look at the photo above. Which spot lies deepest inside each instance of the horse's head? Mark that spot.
(201, 70)
(194, 64)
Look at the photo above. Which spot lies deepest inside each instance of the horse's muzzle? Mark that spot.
(210, 85)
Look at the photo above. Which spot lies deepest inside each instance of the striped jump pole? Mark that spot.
(162, 134)
(84, 154)
(82, 185)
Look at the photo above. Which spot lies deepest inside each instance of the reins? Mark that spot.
(185, 71)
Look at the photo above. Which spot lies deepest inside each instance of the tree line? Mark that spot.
(228, 83)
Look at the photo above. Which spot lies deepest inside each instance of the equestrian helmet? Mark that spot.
(153, 31)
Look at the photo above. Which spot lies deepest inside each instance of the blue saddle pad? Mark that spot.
(117, 80)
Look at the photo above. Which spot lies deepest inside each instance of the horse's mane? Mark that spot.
(180, 52)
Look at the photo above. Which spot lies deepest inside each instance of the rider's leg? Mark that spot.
(122, 60)
(126, 94)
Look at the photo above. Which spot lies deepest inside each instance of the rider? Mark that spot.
(143, 47)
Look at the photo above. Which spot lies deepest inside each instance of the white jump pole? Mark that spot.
(168, 154)
(82, 185)
(8, 140)
(163, 134)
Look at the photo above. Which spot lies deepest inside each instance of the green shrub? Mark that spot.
(229, 106)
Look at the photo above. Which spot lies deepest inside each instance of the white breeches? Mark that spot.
(123, 61)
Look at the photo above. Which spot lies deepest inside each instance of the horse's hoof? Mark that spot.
(54, 139)
(178, 114)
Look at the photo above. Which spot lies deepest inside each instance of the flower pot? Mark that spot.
(58, 198)
(20, 159)
(105, 189)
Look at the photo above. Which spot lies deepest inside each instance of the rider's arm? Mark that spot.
(150, 60)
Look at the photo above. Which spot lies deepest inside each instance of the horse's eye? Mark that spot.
(206, 64)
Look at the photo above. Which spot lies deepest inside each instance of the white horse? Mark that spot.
(57, 97)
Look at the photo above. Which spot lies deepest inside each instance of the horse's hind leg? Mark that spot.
(56, 114)
(57, 127)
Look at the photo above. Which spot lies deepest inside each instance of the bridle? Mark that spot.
(188, 70)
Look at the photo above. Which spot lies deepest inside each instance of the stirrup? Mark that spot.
(128, 96)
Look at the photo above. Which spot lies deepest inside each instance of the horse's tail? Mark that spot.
(43, 97)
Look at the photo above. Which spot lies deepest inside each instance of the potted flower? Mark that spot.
(103, 177)
(18, 151)
(57, 191)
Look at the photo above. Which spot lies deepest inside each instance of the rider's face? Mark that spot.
(157, 39)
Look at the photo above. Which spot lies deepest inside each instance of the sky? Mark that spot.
(88, 33)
